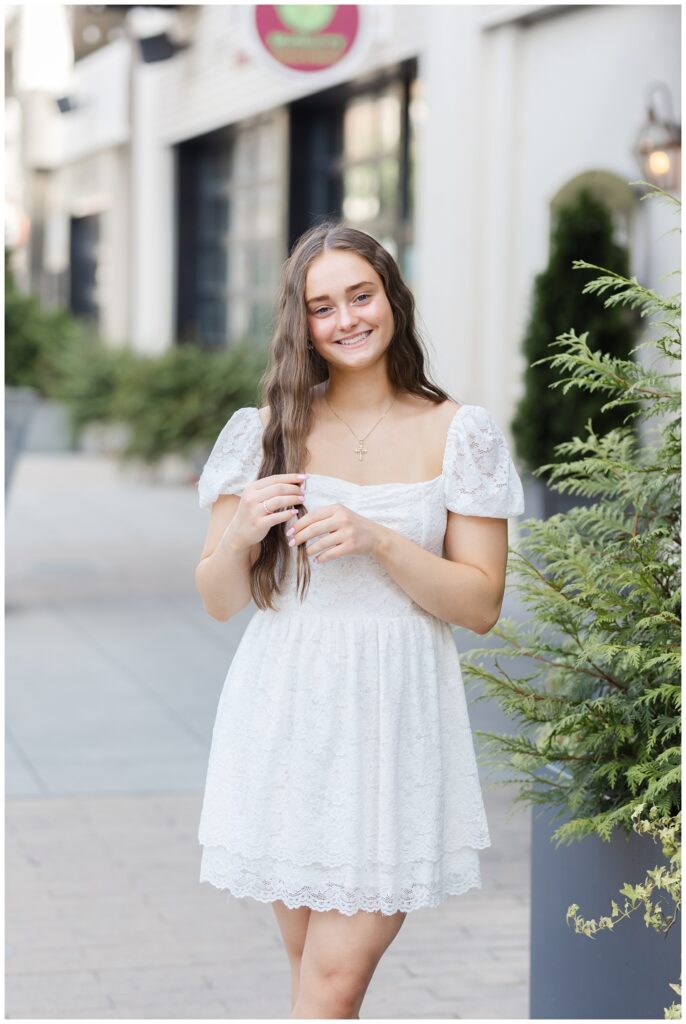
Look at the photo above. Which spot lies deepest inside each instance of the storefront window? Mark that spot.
(360, 129)
(231, 231)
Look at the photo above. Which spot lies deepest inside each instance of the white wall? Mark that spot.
(153, 215)
(584, 114)
(448, 180)
(100, 84)
(514, 112)
(97, 184)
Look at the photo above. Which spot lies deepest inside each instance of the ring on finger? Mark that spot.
(266, 509)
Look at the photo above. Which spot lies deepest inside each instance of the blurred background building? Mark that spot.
(161, 160)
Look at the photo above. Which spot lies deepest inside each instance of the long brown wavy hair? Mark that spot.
(294, 370)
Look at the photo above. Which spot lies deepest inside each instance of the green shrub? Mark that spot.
(86, 375)
(179, 401)
(34, 338)
(173, 403)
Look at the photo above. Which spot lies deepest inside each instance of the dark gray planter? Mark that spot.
(553, 502)
(20, 404)
(619, 974)
(542, 502)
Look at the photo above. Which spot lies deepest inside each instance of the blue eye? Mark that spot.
(362, 295)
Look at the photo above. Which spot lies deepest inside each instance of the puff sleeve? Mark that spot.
(235, 458)
(478, 473)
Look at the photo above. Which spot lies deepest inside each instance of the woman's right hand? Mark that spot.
(252, 521)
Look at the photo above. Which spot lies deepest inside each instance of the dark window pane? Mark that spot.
(83, 262)
(211, 321)
(212, 267)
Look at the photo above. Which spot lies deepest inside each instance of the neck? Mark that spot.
(353, 394)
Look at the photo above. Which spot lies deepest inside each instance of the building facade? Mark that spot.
(163, 203)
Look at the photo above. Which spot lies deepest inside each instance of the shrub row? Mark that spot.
(176, 402)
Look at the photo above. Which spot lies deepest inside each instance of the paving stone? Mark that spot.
(71, 1013)
(41, 993)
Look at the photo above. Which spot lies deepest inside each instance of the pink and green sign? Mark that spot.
(307, 37)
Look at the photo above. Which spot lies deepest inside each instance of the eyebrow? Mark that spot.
(352, 288)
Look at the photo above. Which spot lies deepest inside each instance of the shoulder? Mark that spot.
(429, 423)
(435, 421)
(445, 412)
(436, 414)
(264, 415)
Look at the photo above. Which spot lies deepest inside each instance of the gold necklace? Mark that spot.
(360, 451)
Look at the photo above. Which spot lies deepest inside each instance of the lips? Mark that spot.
(359, 340)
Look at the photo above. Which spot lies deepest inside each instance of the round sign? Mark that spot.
(307, 37)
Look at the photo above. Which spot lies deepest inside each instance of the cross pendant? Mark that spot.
(360, 451)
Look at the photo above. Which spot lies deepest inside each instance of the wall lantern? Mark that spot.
(67, 104)
(156, 29)
(658, 146)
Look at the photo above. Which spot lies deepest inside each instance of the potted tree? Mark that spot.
(598, 706)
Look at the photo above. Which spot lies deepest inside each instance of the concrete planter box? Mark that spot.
(103, 438)
(619, 974)
(49, 430)
(20, 405)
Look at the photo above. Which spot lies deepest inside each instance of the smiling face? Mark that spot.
(345, 298)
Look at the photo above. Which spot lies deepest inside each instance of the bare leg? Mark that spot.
(340, 956)
(293, 926)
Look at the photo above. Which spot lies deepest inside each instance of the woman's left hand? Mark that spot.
(341, 532)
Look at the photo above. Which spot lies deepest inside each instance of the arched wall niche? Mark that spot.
(610, 189)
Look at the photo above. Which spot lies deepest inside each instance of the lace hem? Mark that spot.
(404, 887)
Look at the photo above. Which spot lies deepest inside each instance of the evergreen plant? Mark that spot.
(545, 418)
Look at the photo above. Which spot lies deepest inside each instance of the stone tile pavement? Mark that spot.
(113, 674)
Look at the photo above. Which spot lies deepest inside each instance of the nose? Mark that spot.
(347, 320)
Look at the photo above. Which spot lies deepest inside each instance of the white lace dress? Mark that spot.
(342, 772)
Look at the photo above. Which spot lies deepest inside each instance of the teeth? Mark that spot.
(356, 340)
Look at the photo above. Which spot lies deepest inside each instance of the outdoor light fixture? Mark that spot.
(658, 146)
(156, 30)
(66, 104)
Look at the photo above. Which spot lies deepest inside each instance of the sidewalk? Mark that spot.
(113, 676)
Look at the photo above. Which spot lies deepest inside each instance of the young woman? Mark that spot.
(342, 785)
